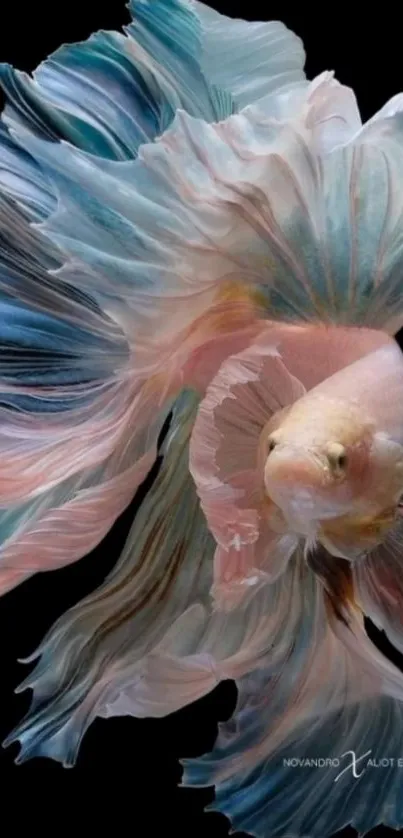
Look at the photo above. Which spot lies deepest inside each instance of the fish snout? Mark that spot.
(294, 479)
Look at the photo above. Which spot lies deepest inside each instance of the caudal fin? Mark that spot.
(316, 740)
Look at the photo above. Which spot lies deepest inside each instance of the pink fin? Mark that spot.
(248, 389)
(79, 504)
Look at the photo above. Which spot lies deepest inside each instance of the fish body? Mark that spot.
(201, 258)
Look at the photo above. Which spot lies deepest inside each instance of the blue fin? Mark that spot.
(318, 697)
(113, 92)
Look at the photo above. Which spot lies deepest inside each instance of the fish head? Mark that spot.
(334, 466)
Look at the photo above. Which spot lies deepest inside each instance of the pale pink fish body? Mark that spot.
(217, 241)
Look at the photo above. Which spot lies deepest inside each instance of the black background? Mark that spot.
(127, 771)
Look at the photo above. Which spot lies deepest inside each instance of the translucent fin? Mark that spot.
(113, 92)
(171, 30)
(116, 225)
(146, 643)
(68, 398)
(80, 330)
(248, 389)
(95, 659)
(95, 469)
(77, 389)
(318, 695)
(275, 206)
(22, 179)
(138, 231)
(250, 59)
(51, 333)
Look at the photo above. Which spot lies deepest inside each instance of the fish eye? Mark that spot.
(271, 444)
(337, 456)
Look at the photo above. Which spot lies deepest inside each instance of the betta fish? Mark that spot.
(196, 238)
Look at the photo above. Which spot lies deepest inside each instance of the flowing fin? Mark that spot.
(122, 242)
(288, 212)
(22, 180)
(74, 320)
(52, 527)
(114, 92)
(96, 654)
(343, 215)
(247, 391)
(250, 59)
(313, 253)
(147, 642)
(68, 398)
(70, 364)
(137, 231)
(52, 333)
(319, 691)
